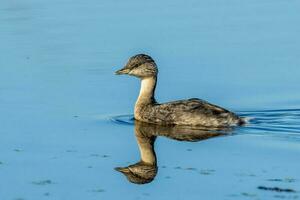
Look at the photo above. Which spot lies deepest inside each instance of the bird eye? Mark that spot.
(135, 65)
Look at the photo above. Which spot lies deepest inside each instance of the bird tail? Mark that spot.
(244, 120)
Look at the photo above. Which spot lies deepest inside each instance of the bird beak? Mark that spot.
(122, 71)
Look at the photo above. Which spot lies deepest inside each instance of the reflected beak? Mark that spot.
(122, 71)
(122, 169)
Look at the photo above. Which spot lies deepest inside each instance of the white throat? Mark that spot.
(147, 90)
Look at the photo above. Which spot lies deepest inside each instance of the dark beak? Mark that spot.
(122, 71)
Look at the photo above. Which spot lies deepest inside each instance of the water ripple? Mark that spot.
(123, 119)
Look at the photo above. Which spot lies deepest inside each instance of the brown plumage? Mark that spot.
(192, 112)
(139, 173)
(146, 169)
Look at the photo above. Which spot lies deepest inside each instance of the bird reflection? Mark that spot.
(145, 170)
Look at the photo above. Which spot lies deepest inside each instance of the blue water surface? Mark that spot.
(66, 120)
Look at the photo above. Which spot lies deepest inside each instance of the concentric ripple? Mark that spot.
(123, 119)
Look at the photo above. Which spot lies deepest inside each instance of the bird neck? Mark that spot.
(147, 90)
(146, 147)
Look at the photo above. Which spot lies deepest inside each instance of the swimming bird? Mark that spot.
(191, 112)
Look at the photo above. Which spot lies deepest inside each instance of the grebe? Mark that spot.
(191, 112)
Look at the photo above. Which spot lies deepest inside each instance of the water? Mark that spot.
(66, 119)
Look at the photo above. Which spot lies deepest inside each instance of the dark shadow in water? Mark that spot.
(145, 170)
(275, 189)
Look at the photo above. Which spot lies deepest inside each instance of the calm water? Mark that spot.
(66, 120)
